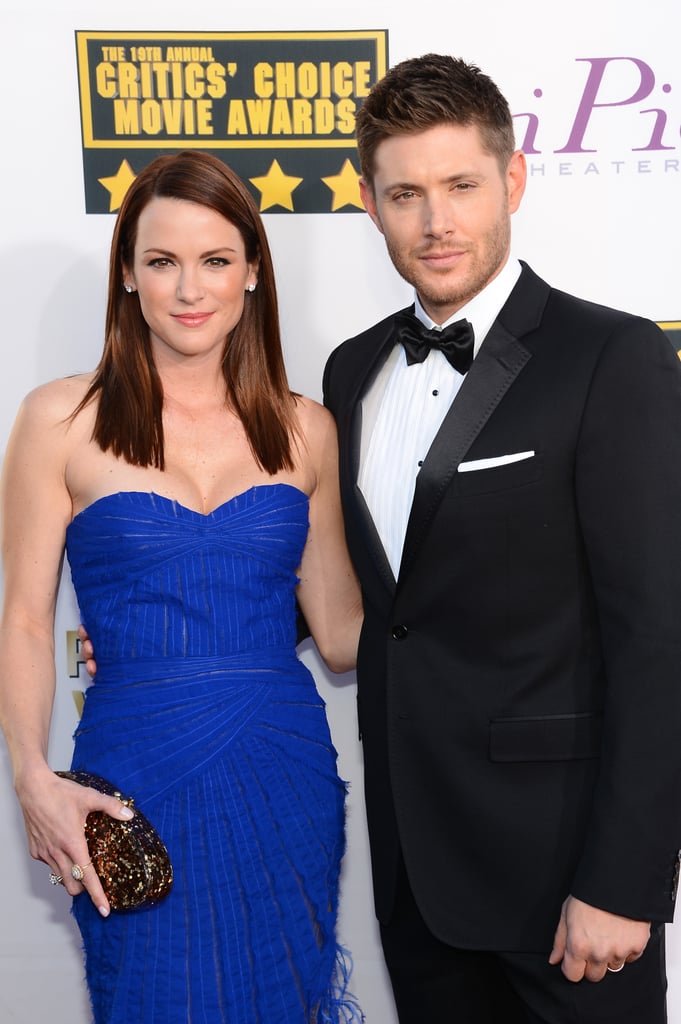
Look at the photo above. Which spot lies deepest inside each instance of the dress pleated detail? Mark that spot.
(203, 713)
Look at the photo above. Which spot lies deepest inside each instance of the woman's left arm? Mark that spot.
(329, 593)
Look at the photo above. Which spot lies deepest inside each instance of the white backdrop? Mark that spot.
(603, 224)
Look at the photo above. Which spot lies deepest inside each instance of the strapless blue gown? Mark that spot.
(202, 712)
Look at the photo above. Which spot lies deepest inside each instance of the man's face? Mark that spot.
(444, 207)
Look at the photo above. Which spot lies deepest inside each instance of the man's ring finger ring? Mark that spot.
(56, 879)
(78, 872)
(616, 970)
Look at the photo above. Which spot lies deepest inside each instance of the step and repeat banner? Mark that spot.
(89, 95)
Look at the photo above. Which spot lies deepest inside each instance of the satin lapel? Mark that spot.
(373, 542)
(498, 363)
(360, 380)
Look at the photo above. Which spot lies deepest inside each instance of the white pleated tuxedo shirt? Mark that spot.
(403, 410)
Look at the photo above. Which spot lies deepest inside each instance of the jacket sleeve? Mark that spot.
(628, 490)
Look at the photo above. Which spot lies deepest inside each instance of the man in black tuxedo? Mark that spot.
(512, 496)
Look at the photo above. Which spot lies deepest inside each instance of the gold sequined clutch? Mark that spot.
(129, 856)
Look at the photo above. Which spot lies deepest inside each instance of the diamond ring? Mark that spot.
(78, 872)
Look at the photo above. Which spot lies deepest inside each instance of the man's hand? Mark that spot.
(87, 651)
(589, 940)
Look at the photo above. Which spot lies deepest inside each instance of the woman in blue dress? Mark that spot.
(196, 498)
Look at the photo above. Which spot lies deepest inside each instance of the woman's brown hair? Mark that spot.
(126, 383)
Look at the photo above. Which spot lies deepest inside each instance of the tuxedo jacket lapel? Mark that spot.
(499, 361)
(350, 442)
(497, 364)
(374, 544)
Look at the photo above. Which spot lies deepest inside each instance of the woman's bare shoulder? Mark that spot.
(313, 417)
(320, 443)
(56, 400)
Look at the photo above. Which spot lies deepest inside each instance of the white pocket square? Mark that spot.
(497, 460)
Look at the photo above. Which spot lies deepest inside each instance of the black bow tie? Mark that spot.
(455, 341)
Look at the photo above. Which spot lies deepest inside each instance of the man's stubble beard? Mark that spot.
(485, 262)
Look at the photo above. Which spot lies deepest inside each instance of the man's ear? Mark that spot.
(516, 178)
(369, 200)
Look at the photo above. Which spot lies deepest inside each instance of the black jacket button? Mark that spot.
(399, 632)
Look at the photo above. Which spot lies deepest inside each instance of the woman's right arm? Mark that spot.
(36, 509)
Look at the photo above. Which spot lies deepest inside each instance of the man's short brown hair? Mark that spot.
(424, 92)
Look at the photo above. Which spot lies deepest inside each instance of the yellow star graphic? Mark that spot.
(345, 187)
(118, 185)
(276, 188)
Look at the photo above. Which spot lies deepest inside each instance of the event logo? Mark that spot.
(624, 121)
(279, 107)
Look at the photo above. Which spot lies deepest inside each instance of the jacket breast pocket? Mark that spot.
(487, 480)
(546, 737)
